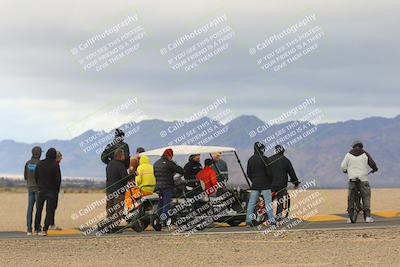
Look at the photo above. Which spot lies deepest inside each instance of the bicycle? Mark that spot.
(260, 212)
(355, 205)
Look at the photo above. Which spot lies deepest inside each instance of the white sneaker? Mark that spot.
(369, 219)
(28, 233)
(54, 227)
(348, 220)
(231, 212)
(168, 223)
(42, 233)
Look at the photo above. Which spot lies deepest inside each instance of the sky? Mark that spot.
(352, 70)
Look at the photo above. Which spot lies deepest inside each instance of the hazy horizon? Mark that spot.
(349, 61)
(173, 121)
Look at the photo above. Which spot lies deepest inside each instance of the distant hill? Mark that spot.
(315, 156)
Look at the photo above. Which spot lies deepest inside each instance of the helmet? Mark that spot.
(260, 147)
(119, 133)
(279, 149)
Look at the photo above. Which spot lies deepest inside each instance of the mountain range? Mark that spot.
(315, 150)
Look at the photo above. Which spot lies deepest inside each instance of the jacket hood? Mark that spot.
(51, 154)
(144, 160)
(357, 151)
(36, 152)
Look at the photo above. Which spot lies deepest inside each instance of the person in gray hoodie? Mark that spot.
(29, 176)
(358, 164)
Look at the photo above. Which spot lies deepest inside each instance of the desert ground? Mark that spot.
(355, 247)
(13, 206)
(371, 247)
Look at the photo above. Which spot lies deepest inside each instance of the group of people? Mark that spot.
(146, 178)
(268, 175)
(43, 179)
(128, 179)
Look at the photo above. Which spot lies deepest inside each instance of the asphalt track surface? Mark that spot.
(380, 223)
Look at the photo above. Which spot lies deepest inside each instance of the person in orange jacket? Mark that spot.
(208, 178)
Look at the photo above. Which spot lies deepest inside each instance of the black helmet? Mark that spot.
(259, 147)
(357, 143)
(119, 133)
(279, 149)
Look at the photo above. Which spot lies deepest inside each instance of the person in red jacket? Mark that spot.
(208, 178)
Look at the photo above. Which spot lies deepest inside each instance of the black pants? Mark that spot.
(52, 221)
(51, 203)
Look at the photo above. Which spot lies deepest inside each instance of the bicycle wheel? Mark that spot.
(286, 206)
(353, 206)
(259, 215)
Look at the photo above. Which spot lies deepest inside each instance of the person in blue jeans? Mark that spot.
(29, 176)
(164, 171)
(260, 175)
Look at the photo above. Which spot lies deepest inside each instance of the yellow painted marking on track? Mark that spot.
(221, 225)
(323, 218)
(387, 213)
(63, 232)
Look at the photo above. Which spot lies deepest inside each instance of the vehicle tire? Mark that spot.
(260, 217)
(146, 222)
(200, 227)
(156, 224)
(138, 226)
(234, 222)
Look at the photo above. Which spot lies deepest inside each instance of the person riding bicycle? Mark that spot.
(357, 164)
(281, 168)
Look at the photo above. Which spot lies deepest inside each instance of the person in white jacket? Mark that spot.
(357, 164)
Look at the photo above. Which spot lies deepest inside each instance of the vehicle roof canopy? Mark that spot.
(189, 150)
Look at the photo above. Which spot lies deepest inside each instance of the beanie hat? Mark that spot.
(357, 143)
(168, 153)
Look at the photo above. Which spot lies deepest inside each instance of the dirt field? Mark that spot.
(312, 248)
(13, 206)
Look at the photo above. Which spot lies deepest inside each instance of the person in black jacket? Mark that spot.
(281, 168)
(108, 155)
(48, 179)
(164, 171)
(117, 179)
(258, 171)
(29, 176)
(193, 167)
